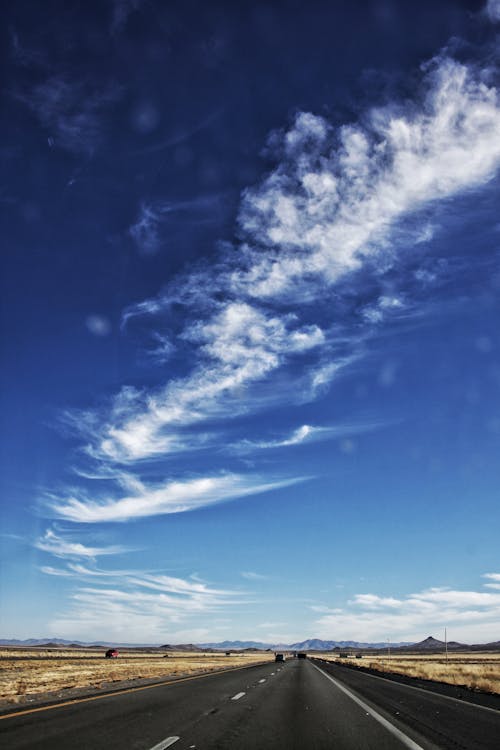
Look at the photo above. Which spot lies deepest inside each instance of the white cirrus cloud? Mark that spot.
(309, 434)
(239, 346)
(336, 196)
(133, 606)
(337, 202)
(56, 544)
(169, 497)
(342, 204)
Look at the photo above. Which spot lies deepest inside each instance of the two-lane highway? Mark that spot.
(295, 705)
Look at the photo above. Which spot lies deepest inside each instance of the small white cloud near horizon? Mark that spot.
(495, 577)
(469, 616)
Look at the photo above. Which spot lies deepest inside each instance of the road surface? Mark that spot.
(297, 705)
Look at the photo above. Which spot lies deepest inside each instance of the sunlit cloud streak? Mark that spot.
(308, 434)
(238, 346)
(170, 497)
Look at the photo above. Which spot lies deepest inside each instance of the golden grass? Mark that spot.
(477, 671)
(63, 669)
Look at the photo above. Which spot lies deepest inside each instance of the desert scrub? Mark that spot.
(35, 676)
(473, 671)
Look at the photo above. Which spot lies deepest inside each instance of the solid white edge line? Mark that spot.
(431, 692)
(407, 741)
(165, 743)
(235, 698)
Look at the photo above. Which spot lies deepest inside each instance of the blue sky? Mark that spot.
(250, 304)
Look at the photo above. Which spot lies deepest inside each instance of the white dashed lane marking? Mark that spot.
(262, 680)
(234, 698)
(165, 743)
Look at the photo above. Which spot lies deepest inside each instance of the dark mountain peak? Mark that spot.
(430, 642)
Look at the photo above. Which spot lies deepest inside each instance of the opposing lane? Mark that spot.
(137, 720)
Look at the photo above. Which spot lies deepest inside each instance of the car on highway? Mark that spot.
(279, 657)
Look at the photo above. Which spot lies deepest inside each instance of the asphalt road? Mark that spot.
(292, 706)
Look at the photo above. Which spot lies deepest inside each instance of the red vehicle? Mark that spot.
(111, 653)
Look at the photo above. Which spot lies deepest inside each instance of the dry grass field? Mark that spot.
(476, 671)
(32, 672)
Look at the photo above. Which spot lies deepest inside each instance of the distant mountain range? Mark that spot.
(311, 644)
(62, 642)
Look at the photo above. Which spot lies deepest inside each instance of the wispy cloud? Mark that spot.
(470, 616)
(145, 231)
(148, 231)
(251, 576)
(136, 606)
(170, 497)
(330, 209)
(493, 10)
(62, 546)
(495, 577)
(238, 347)
(309, 434)
(338, 195)
(340, 212)
(71, 109)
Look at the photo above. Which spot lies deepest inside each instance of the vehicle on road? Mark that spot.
(111, 653)
(279, 657)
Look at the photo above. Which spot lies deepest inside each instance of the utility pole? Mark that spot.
(446, 645)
